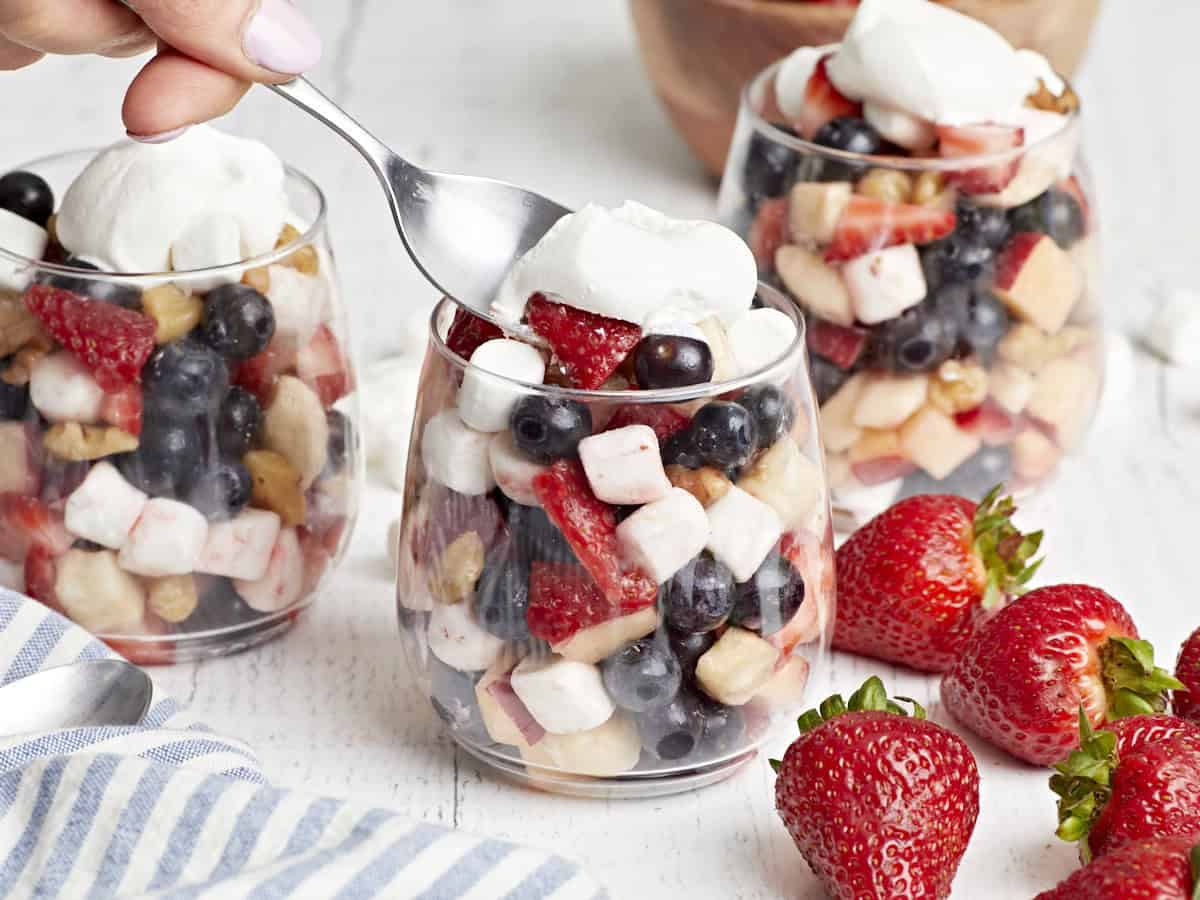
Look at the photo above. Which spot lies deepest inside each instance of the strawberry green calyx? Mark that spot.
(1007, 554)
(1083, 782)
(1135, 685)
(1194, 860)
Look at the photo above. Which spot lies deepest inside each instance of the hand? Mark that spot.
(209, 51)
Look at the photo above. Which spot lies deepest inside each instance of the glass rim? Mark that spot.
(772, 131)
(780, 368)
(150, 279)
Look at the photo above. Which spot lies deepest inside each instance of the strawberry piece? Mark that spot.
(258, 374)
(1187, 670)
(867, 224)
(665, 420)
(40, 574)
(323, 367)
(123, 409)
(590, 347)
(468, 331)
(956, 141)
(590, 528)
(1136, 732)
(1158, 869)
(768, 232)
(857, 807)
(26, 522)
(840, 345)
(1023, 676)
(563, 600)
(991, 422)
(823, 102)
(882, 470)
(112, 342)
(915, 582)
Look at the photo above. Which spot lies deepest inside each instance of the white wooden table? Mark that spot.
(551, 94)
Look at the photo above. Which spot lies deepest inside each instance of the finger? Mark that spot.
(72, 26)
(173, 91)
(14, 56)
(252, 40)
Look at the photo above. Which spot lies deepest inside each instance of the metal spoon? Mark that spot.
(97, 692)
(464, 233)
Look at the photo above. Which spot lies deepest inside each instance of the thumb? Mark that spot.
(251, 40)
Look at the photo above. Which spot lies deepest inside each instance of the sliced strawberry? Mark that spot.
(955, 141)
(112, 342)
(258, 374)
(867, 224)
(882, 470)
(26, 522)
(322, 365)
(991, 422)
(768, 232)
(665, 420)
(823, 102)
(123, 409)
(563, 599)
(589, 346)
(40, 574)
(840, 345)
(468, 331)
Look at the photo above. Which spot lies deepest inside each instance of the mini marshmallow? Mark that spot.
(63, 390)
(105, 507)
(885, 283)
(19, 235)
(388, 395)
(513, 470)
(662, 536)
(167, 539)
(725, 366)
(458, 641)
(1174, 331)
(213, 240)
(283, 581)
(564, 696)
(760, 337)
(606, 750)
(241, 547)
(98, 594)
(12, 576)
(456, 455)
(736, 667)
(300, 303)
(742, 530)
(900, 127)
(487, 396)
(672, 321)
(624, 466)
(17, 472)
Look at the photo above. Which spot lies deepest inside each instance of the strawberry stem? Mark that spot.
(1194, 859)
(1007, 553)
(1083, 783)
(1135, 685)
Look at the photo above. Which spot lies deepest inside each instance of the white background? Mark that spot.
(551, 94)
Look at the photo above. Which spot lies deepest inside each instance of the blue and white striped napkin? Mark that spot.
(170, 809)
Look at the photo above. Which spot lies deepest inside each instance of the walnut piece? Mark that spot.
(173, 598)
(1045, 99)
(175, 312)
(889, 185)
(303, 260)
(958, 386)
(928, 187)
(276, 486)
(460, 567)
(18, 327)
(708, 485)
(78, 443)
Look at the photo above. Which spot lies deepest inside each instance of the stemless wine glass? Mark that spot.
(199, 509)
(548, 653)
(995, 373)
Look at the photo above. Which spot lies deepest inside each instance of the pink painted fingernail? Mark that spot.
(281, 39)
(161, 138)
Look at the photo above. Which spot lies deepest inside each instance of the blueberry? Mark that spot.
(536, 537)
(341, 437)
(771, 597)
(724, 434)
(238, 422)
(849, 133)
(673, 731)
(167, 458)
(688, 648)
(670, 361)
(986, 321)
(14, 398)
(502, 597)
(86, 545)
(452, 695)
(113, 292)
(238, 321)
(919, 339)
(223, 491)
(724, 727)
(960, 258)
(642, 676)
(987, 224)
(680, 450)
(219, 606)
(772, 410)
(768, 169)
(547, 428)
(827, 378)
(28, 195)
(700, 596)
(1056, 213)
(185, 379)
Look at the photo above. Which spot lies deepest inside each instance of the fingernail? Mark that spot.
(161, 138)
(281, 39)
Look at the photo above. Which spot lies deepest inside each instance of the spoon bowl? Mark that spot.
(95, 693)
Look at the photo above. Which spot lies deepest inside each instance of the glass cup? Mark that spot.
(197, 511)
(527, 612)
(975, 360)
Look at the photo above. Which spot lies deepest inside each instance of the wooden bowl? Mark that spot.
(700, 53)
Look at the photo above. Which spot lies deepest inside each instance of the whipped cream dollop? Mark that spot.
(134, 201)
(632, 262)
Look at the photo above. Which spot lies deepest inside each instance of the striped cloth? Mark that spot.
(170, 809)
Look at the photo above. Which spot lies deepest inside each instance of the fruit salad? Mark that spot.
(616, 555)
(176, 459)
(916, 191)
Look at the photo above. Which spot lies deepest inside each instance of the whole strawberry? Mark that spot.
(1135, 732)
(1023, 676)
(915, 582)
(1187, 703)
(1160, 869)
(1115, 792)
(880, 805)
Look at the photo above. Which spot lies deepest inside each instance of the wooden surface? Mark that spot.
(552, 94)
